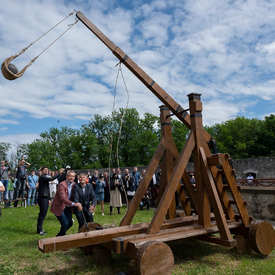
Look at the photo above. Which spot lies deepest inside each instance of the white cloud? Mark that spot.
(222, 49)
(8, 121)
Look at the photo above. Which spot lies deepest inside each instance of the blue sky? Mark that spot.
(224, 50)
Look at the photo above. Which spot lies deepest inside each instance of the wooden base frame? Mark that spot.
(213, 205)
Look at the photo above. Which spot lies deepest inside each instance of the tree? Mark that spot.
(60, 147)
(4, 148)
(180, 133)
(239, 137)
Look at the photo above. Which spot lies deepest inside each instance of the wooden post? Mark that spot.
(196, 126)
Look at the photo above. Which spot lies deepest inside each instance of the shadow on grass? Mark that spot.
(75, 262)
(195, 250)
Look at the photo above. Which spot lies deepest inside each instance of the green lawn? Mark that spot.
(19, 253)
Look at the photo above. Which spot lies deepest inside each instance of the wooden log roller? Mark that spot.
(154, 258)
(262, 238)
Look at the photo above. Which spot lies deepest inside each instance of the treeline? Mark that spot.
(91, 145)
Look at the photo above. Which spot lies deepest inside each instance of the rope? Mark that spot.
(70, 26)
(123, 114)
(120, 126)
(112, 134)
(44, 34)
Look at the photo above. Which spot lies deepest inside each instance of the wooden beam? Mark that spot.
(171, 234)
(172, 186)
(88, 238)
(143, 186)
(214, 199)
(204, 210)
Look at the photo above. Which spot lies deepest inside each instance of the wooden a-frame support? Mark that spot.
(209, 194)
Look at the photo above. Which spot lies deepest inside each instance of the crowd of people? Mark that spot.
(68, 192)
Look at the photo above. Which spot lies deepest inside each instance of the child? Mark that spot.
(99, 192)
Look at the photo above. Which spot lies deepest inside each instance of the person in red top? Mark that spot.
(62, 205)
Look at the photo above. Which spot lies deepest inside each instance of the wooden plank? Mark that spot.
(140, 74)
(231, 180)
(170, 235)
(143, 186)
(172, 186)
(89, 238)
(214, 199)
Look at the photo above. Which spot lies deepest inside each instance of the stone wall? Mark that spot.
(260, 201)
(263, 167)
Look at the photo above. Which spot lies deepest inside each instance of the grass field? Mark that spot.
(19, 253)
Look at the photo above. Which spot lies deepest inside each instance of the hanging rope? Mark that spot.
(119, 71)
(123, 114)
(112, 133)
(10, 71)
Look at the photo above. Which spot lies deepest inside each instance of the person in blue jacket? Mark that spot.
(99, 192)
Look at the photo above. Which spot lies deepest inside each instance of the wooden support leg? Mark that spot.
(197, 128)
(214, 199)
(172, 186)
(143, 186)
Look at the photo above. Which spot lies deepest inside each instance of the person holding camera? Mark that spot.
(43, 197)
(129, 184)
(21, 176)
(115, 192)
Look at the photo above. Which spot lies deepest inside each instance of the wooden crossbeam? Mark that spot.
(171, 234)
(143, 186)
(89, 238)
(172, 186)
